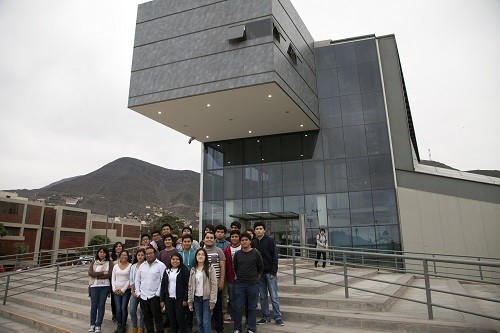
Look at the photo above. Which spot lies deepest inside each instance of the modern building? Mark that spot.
(44, 228)
(302, 133)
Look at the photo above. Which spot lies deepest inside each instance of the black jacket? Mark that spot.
(269, 252)
(181, 284)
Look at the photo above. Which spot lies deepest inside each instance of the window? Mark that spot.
(9, 208)
(236, 34)
(257, 29)
(293, 54)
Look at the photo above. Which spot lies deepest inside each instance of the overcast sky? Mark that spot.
(65, 70)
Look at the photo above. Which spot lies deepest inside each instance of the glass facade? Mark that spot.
(341, 177)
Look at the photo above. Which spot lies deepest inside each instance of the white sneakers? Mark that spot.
(92, 328)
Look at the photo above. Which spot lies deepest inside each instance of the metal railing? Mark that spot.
(47, 257)
(420, 268)
(49, 269)
(367, 256)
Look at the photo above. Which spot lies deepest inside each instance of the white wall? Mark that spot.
(443, 224)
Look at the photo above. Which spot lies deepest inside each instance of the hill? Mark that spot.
(125, 186)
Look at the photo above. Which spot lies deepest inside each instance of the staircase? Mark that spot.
(310, 305)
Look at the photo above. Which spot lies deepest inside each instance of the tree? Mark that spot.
(99, 240)
(175, 224)
(3, 233)
(21, 248)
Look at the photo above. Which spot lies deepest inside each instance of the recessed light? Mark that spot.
(228, 162)
(301, 155)
(159, 112)
(218, 145)
(262, 159)
(269, 96)
(301, 125)
(305, 134)
(250, 132)
(207, 136)
(208, 105)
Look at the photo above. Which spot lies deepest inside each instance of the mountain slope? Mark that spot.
(128, 185)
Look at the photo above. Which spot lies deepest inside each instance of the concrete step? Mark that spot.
(336, 300)
(375, 321)
(327, 281)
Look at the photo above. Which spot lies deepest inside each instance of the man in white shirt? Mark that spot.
(147, 287)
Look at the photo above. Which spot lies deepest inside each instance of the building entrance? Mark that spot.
(287, 228)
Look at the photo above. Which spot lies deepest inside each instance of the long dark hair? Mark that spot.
(114, 256)
(105, 249)
(206, 263)
(169, 266)
(135, 255)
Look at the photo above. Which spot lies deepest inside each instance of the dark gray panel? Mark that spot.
(336, 175)
(358, 174)
(330, 112)
(355, 141)
(328, 84)
(348, 80)
(369, 77)
(333, 142)
(366, 51)
(352, 110)
(373, 107)
(346, 54)
(325, 57)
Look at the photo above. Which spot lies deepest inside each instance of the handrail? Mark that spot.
(301, 252)
(46, 257)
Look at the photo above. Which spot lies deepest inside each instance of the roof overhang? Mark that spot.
(267, 216)
(230, 114)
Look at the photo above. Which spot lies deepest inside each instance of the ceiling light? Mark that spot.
(159, 112)
(269, 96)
(301, 125)
(208, 105)
(305, 135)
(207, 136)
(250, 132)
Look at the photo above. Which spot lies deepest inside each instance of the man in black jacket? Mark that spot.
(267, 248)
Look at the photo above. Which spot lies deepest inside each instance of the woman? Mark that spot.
(120, 283)
(174, 293)
(137, 327)
(202, 291)
(115, 253)
(99, 285)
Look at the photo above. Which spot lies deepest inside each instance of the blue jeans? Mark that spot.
(134, 302)
(98, 297)
(266, 283)
(121, 306)
(245, 294)
(203, 314)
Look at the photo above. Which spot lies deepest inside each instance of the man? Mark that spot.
(188, 258)
(187, 231)
(218, 260)
(229, 252)
(321, 246)
(157, 240)
(166, 229)
(268, 281)
(220, 234)
(248, 267)
(222, 243)
(168, 249)
(147, 288)
(235, 225)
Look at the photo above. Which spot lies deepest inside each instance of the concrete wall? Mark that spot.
(444, 224)
(181, 49)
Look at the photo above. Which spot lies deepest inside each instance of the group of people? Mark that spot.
(216, 276)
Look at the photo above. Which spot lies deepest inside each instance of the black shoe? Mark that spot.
(316, 264)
